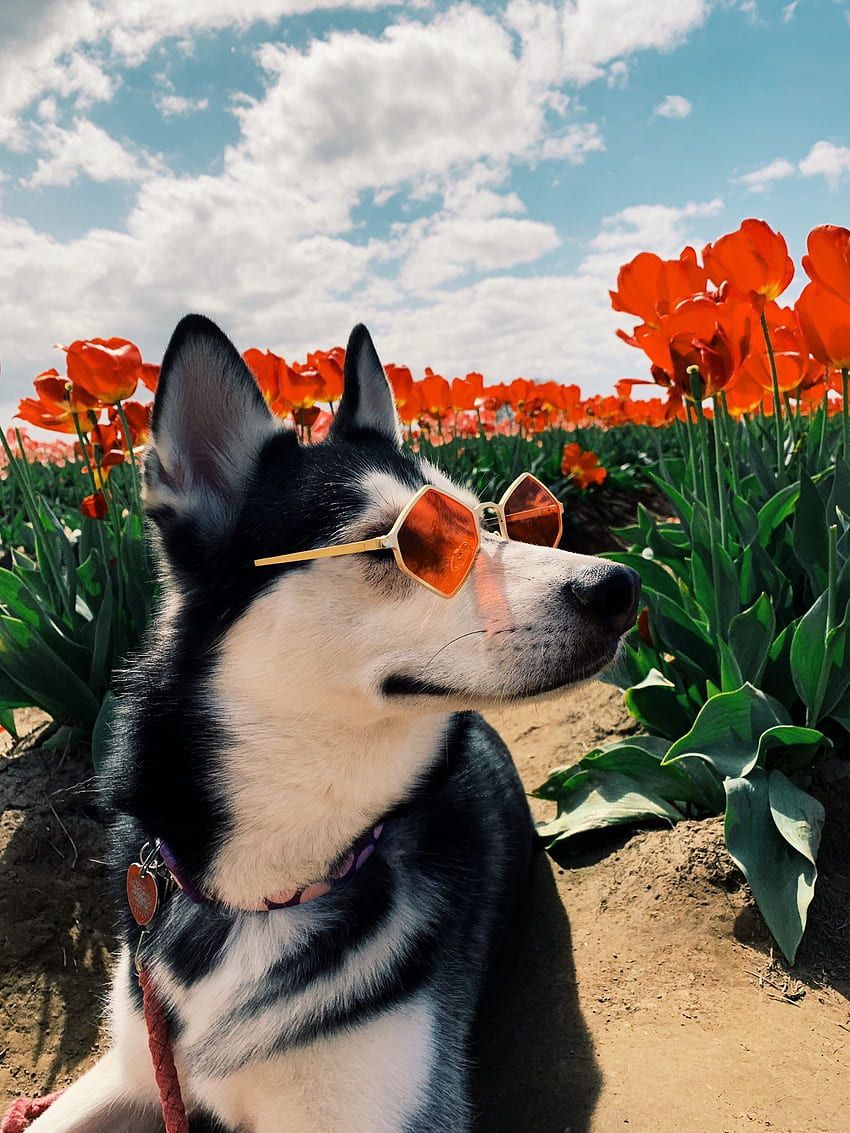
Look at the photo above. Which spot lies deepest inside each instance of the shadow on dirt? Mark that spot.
(55, 923)
(537, 1066)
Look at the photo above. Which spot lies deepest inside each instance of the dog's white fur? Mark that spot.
(319, 754)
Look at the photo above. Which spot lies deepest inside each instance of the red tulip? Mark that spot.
(825, 323)
(754, 260)
(107, 368)
(649, 287)
(828, 261)
(57, 404)
(94, 506)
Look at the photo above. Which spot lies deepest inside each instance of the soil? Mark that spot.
(643, 994)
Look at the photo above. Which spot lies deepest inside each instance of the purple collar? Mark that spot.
(345, 869)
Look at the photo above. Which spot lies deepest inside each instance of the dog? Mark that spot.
(280, 720)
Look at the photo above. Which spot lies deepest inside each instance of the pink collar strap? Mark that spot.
(345, 869)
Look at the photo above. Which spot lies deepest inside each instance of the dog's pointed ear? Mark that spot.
(367, 401)
(209, 424)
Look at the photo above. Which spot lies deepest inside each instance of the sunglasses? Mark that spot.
(436, 537)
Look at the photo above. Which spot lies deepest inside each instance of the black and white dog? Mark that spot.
(281, 716)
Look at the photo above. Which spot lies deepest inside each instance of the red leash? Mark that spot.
(162, 1056)
(25, 1110)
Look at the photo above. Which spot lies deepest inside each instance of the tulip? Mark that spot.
(650, 287)
(60, 405)
(754, 260)
(107, 368)
(828, 261)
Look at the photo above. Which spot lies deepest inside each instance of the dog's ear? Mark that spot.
(367, 401)
(209, 424)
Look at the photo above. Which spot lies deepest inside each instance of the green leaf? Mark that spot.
(642, 762)
(684, 637)
(810, 534)
(750, 637)
(658, 705)
(727, 731)
(774, 513)
(605, 799)
(7, 721)
(772, 833)
(39, 671)
(809, 659)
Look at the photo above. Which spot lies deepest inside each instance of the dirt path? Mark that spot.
(643, 996)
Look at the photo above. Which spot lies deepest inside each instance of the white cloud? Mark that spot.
(760, 180)
(788, 11)
(827, 160)
(673, 106)
(84, 149)
(618, 75)
(663, 229)
(434, 114)
(176, 106)
(578, 39)
(574, 144)
(63, 45)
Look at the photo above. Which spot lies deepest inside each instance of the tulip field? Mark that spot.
(737, 672)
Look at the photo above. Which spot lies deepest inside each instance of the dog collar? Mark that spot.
(158, 860)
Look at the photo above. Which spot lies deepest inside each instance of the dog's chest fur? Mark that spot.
(357, 1006)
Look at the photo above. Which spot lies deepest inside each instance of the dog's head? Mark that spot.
(225, 484)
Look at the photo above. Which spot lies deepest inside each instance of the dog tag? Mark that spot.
(142, 894)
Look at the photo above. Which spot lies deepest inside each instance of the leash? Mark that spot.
(150, 881)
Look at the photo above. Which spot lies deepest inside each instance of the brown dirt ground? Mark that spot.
(643, 995)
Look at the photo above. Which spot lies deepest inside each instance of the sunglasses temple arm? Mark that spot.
(377, 544)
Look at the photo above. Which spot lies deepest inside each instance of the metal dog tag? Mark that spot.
(142, 894)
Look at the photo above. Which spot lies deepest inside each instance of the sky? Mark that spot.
(465, 178)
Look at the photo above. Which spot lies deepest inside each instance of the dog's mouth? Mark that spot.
(401, 685)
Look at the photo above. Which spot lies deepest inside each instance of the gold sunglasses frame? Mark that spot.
(389, 542)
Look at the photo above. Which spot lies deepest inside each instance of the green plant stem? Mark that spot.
(17, 466)
(845, 411)
(730, 437)
(128, 442)
(718, 470)
(777, 403)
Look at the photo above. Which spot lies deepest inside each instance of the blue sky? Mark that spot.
(465, 178)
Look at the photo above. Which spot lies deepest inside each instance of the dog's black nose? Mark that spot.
(610, 593)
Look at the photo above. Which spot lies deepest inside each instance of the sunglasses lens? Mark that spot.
(438, 541)
(533, 514)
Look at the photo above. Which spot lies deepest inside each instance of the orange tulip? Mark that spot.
(138, 419)
(107, 368)
(466, 391)
(711, 334)
(583, 467)
(649, 287)
(149, 375)
(94, 506)
(754, 260)
(790, 352)
(329, 366)
(825, 323)
(828, 261)
(434, 394)
(57, 404)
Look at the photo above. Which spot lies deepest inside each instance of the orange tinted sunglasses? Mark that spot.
(437, 536)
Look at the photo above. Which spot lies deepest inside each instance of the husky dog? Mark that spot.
(276, 717)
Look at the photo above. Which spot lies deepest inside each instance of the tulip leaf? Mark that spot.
(772, 833)
(775, 512)
(810, 534)
(808, 657)
(42, 674)
(728, 729)
(659, 705)
(596, 800)
(750, 637)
